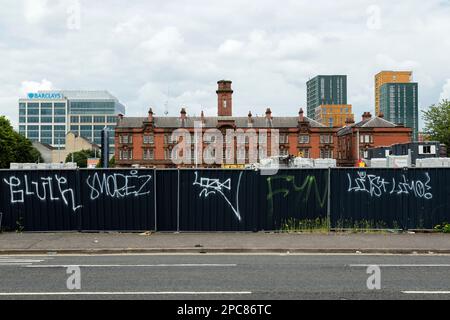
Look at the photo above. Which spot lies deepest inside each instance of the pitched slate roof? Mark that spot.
(212, 122)
(375, 122)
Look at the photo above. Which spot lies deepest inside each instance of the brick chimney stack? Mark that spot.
(225, 98)
(202, 117)
(150, 115)
(301, 115)
(349, 121)
(183, 114)
(268, 114)
(366, 116)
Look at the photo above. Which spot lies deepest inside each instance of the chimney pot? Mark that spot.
(301, 115)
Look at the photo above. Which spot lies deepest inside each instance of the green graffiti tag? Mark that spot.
(302, 192)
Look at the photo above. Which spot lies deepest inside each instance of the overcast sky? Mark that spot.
(148, 52)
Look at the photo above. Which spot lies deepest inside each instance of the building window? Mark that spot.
(241, 154)
(283, 138)
(366, 138)
(125, 139)
(326, 154)
(46, 111)
(303, 153)
(326, 138)
(303, 139)
(60, 112)
(149, 154)
(126, 154)
(168, 138)
(427, 150)
(60, 120)
(33, 119)
(86, 119)
(75, 119)
(99, 119)
(167, 154)
(149, 139)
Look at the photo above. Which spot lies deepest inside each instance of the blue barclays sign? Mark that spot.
(46, 95)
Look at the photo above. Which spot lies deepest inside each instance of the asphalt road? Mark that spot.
(227, 277)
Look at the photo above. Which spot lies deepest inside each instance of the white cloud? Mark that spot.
(445, 94)
(231, 47)
(33, 86)
(35, 10)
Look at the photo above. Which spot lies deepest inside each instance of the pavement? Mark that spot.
(225, 277)
(119, 243)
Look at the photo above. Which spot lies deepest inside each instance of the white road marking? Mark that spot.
(132, 265)
(19, 260)
(122, 293)
(401, 265)
(426, 292)
(14, 264)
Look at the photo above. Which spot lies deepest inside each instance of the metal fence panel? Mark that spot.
(236, 200)
(166, 200)
(40, 200)
(117, 200)
(390, 198)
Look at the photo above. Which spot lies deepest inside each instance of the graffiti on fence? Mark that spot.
(377, 186)
(215, 186)
(118, 185)
(302, 191)
(50, 188)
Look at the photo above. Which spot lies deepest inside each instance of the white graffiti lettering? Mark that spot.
(377, 186)
(42, 189)
(119, 186)
(214, 186)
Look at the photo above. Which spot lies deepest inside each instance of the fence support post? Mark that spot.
(154, 200)
(329, 200)
(1, 218)
(78, 187)
(178, 202)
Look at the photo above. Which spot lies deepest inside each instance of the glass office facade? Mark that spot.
(325, 90)
(399, 102)
(43, 121)
(86, 113)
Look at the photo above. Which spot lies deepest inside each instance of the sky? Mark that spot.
(170, 54)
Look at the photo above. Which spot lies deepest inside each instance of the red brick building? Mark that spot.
(146, 141)
(355, 139)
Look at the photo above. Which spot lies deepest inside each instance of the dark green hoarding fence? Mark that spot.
(223, 200)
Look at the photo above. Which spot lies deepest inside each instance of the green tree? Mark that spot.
(437, 122)
(81, 157)
(14, 147)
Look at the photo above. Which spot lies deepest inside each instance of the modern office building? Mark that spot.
(399, 103)
(47, 116)
(334, 115)
(326, 90)
(389, 77)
